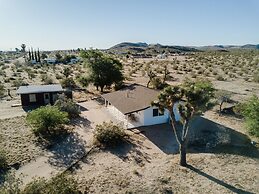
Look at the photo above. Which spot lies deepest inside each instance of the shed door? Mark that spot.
(46, 98)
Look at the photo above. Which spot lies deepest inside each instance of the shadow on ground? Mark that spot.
(81, 122)
(67, 151)
(30, 108)
(220, 182)
(205, 135)
(129, 150)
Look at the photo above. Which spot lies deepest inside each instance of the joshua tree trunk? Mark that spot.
(148, 83)
(182, 149)
(101, 88)
(181, 138)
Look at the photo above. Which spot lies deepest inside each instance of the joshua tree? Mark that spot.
(166, 73)
(151, 75)
(190, 98)
(23, 47)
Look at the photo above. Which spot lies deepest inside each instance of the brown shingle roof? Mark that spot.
(132, 98)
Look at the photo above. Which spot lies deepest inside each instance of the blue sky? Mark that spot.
(66, 24)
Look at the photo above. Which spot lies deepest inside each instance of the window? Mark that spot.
(46, 96)
(32, 97)
(157, 113)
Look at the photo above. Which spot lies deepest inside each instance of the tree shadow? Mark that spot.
(205, 136)
(220, 182)
(81, 122)
(63, 154)
(129, 150)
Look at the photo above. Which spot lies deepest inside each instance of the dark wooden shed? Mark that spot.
(39, 95)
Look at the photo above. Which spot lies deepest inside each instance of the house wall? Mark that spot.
(150, 120)
(25, 99)
(143, 118)
(124, 119)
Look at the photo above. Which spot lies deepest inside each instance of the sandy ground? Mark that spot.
(18, 141)
(149, 164)
(7, 111)
(143, 168)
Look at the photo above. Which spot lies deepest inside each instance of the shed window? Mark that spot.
(32, 97)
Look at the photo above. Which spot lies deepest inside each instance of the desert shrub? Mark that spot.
(59, 76)
(31, 74)
(61, 184)
(69, 106)
(68, 83)
(19, 82)
(220, 78)
(3, 162)
(108, 134)
(84, 81)
(119, 85)
(11, 185)
(250, 110)
(46, 79)
(193, 75)
(256, 77)
(2, 90)
(47, 120)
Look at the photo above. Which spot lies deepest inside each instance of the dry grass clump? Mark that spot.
(18, 141)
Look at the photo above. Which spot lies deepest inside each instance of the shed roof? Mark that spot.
(32, 89)
(132, 98)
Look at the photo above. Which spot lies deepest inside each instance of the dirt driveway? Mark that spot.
(7, 111)
(95, 113)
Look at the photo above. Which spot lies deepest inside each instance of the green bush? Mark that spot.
(60, 184)
(69, 106)
(108, 134)
(47, 120)
(250, 110)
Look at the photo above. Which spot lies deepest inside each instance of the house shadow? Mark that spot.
(205, 136)
(30, 108)
(82, 108)
(162, 136)
(64, 153)
(219, 182)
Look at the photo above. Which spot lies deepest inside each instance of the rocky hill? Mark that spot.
(153, 49)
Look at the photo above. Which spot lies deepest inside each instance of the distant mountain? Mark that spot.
(228, 47)
(154, 49)
(151, 49)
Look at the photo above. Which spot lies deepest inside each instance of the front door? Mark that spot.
(46, 98)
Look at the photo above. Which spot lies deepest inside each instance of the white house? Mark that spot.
(50, 60)
(132, 106)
